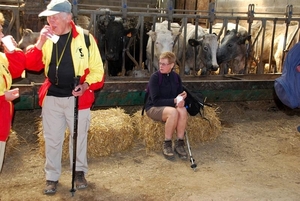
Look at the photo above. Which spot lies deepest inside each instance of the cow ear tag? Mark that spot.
(129, 35)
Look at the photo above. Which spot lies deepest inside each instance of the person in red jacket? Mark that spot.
(12, 64)
(62, 52)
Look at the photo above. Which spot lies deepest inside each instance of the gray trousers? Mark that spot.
(57, 115)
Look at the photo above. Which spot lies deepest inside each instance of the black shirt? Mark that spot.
(62, 78)
(163, 88)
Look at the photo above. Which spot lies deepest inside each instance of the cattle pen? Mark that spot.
(253, 85)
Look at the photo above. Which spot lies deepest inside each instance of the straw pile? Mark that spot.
(110, 131)
(11, 143)
(198, 129)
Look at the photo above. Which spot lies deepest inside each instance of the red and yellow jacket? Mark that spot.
(11, 66)
(89, 67)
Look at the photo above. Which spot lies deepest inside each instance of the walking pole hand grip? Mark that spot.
(76, 83)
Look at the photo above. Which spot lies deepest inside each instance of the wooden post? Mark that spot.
(202, 5)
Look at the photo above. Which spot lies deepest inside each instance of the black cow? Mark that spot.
(116, 43)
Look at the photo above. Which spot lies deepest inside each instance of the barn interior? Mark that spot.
(255, 83)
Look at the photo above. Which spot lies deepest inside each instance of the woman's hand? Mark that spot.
(180, 104)
(179, 100)
(12, 94)
(183, 94)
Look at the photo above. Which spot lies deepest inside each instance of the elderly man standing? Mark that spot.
(62, 52)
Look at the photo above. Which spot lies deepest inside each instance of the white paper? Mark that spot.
(54, 38)
(7, 41)
(178, 99)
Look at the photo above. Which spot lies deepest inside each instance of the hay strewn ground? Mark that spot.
(256, 157)
(12, 143)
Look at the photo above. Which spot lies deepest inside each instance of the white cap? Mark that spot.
(57, 6)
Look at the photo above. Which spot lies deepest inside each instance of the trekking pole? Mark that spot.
(75, 133)
(193, 164)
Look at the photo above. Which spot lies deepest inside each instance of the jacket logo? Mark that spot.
(81, 55)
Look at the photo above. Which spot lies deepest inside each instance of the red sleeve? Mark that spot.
(34, 59)
(93, 86)
(17, 61)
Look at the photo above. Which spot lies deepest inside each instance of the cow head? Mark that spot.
(163, 40)
(113, 39)
(206, 52)
(116, 39)
(112, 31)
(232, 45)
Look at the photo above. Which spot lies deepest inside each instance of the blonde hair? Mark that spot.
(168, 55)
(1, 19)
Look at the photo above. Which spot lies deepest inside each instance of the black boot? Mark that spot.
(179, 149)
(167, 150)
(80, 180)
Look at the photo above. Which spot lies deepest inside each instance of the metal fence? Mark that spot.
(197, 16)
(210, 17)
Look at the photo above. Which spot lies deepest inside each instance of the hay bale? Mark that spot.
(151, 132)
(11, 143)
(111, 131)
(204, 129)
(198, 129)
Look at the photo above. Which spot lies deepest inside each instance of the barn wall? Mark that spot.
(260, 5)
(29, 10)
(193, 5)
(130, 3)
(199, 5)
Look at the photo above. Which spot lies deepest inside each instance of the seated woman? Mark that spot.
(166, 103)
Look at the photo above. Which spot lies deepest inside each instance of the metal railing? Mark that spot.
(170, 14)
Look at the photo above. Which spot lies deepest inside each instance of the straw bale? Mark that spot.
(11, 143)
(199, 129)
(204, 129)
(111, 131)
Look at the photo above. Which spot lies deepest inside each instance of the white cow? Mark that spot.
(164, 40)
(278, 54)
